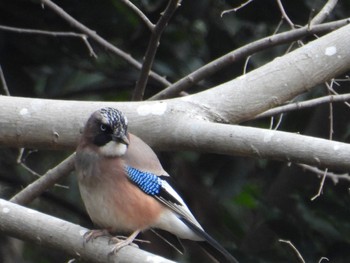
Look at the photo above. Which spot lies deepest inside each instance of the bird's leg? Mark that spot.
(120, 243)
(93, 234)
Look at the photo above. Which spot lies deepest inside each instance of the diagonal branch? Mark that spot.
(152, 49)
(304, 105)
(3, 82)
(241, 53)
(93, 35)
(284, 14)
(45, 182)
(324, 13)
(143, 17)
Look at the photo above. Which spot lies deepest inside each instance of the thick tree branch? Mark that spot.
(40, 123)
(243, 52)
(179, 127)
(42, 229)
(280, 80)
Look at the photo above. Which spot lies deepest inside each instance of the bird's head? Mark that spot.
(107, 129)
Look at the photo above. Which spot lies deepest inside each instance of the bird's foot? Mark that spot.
(93, 234)
(121, 241)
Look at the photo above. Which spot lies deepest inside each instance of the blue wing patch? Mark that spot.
(150, 183)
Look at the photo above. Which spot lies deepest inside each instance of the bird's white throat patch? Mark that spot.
(113, 149)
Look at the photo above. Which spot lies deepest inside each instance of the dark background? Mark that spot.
(246, 204)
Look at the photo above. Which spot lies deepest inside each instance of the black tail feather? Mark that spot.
(210, 245)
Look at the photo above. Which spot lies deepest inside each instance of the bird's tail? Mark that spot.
(210, 245)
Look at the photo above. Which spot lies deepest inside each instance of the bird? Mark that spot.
(125, 189)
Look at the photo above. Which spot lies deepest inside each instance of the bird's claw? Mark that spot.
(121, 242)
(93, 234)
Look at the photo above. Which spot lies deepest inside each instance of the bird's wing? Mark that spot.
(160, 189)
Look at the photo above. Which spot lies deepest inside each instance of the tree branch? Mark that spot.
(39, 123)
(3, 82)
(35, 189)
(42, 229)
(51, 34)
(185, 132)
(284, 14)
(143, 17)
(304, 105)
(93, 35)
(152, 49)
(241, 53)
(324, 13)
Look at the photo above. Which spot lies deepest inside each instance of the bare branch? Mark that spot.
(51, 34)
(300, 257)
(186, 132)
(239, 100)
(284, 14)
(333, 176)
(3, 82)
(323, 258)
(46, 181)
(320, 189)
(324, 13)
(42, 229)
(241, 53)
(236, 8)
(143, 17)
(20, 161)
(93, 35)
(152, 49)
(304, 105)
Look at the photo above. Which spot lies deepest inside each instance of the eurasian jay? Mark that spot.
(125, 188)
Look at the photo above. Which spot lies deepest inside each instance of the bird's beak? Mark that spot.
(125, 140)
(122, 139)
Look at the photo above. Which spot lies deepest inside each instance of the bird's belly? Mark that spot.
(119, 211)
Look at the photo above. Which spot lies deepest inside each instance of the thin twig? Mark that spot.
(300, 257)
(3, 83)
(330, 138)
(284, 14)
(336, 93)
(333, 176)
(143, 17)
(51, 34)
(246, 65)
(280, 23)
(21, 161)
(331, 130)
(236, 8)
(324, 12)
(323, 258)
(242, 52)
(152, 49)
(320, 189)
(93, 35)
(46, 181)
(280, 117)
(304, 105)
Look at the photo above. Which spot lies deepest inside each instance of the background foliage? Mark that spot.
(247, 204)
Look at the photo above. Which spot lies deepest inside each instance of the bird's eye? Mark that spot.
(103, 127)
